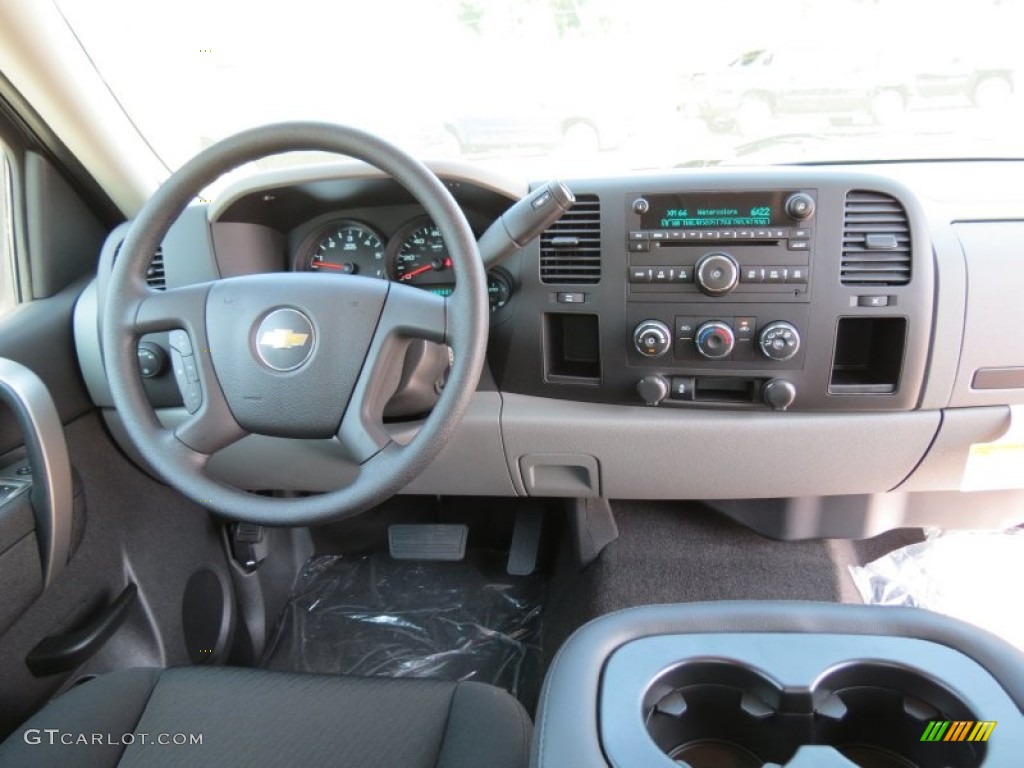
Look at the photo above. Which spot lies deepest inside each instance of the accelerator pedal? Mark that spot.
(522, 556)
(427, 541)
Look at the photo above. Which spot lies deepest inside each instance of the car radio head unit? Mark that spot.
(715, 209)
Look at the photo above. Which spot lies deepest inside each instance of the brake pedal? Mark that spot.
(427, 541)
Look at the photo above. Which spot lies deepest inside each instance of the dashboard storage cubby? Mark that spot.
(755, 700)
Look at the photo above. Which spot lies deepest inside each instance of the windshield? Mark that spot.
(539, 87)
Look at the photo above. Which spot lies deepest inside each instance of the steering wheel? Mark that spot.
(292, 355)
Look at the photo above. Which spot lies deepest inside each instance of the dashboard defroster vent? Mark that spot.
(876, 241)
(570, 250)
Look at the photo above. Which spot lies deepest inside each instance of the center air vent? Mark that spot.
(570, 250)
(876, 241)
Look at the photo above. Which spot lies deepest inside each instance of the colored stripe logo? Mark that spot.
(958, 730)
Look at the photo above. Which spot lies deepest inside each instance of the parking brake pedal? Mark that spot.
(428, 541)
(522, 556)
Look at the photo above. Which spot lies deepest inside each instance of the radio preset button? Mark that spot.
(797, 275)
(639, 274)
(638, 235)
(800, 234)
(775, 275)
(659, 235)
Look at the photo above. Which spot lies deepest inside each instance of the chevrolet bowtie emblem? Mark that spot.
(282, 338)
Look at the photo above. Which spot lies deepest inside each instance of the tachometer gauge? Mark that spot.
(422, 258)
(347, 248)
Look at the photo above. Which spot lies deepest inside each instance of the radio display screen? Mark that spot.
(716, 209)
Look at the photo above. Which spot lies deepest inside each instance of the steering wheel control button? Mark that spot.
(284, 339)
(715, 340)
(193, 397)
(152, 359)
(180, 341)
(652, 338)
(717, 274)
(779, 341)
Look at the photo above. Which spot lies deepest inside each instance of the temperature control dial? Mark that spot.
(652, 338)
(779, 341)
(716, 274)
(715, 340)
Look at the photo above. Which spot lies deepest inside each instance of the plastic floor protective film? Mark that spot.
(372, 615)
(973, 576)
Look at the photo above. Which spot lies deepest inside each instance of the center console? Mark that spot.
(771, 684)
(786, 291)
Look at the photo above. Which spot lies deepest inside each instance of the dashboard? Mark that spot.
(783, 333)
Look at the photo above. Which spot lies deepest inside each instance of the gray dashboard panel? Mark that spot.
(473, 462)
(652, 453)
(687, 452)
(995, 312)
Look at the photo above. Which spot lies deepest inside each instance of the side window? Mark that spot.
(8, 275)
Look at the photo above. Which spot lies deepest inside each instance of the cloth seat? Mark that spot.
(249, 717)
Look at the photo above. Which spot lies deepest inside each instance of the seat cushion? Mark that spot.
(250, 717)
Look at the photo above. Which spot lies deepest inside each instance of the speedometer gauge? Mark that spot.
(347, 248)
(422, 258)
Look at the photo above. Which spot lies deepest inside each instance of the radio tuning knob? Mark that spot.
(716, 274)
(800, 206)
(652, 389)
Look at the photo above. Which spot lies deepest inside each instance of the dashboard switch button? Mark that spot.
(872, 301)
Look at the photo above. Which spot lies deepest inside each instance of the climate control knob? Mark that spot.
(715, 340)
(779, 341)
(652, 338)
(716, 274)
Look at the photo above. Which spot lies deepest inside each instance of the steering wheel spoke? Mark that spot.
(183, 308)
(409, 313)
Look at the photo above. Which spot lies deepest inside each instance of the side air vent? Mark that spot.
(155, 277)
(570, 250)
(876, 241)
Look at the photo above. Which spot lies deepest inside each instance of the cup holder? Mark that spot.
(723, 714)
